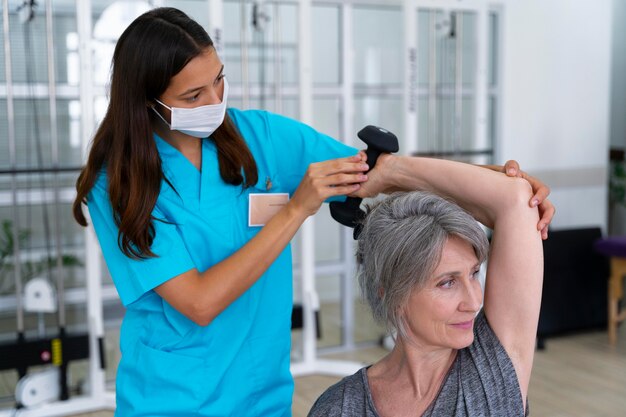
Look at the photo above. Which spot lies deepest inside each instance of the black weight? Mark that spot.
(378, 141)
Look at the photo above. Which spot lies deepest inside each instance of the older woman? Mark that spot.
(420, 256)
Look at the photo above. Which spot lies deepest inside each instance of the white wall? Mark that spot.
(556, 96)
(618, 76)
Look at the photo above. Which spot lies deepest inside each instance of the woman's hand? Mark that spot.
(328, 179)
(540, 194)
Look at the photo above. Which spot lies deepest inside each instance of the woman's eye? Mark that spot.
(475, 273)
(447, 283)
(192, 99)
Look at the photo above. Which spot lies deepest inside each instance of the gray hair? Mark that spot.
(401, 244)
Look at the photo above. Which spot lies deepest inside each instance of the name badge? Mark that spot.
(262, 207)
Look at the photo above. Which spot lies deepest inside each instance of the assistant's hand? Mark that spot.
(540, 194)
(377, 179)
(327, 179)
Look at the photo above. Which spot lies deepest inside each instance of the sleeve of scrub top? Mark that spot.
(135, 277)
(297, 145)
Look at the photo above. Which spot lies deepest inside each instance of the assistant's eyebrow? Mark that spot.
(220, 73)
(194, 89)
(191, 90)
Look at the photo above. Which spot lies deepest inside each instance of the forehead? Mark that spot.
(201, 70)
(456, 253)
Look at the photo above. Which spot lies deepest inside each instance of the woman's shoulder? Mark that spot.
(485, 336)
(486, 347)
(485, 363)
(348, 397)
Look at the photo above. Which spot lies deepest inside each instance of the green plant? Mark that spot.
(617, 183)
(28, 268)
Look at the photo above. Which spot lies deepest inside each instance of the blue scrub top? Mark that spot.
(239, 364)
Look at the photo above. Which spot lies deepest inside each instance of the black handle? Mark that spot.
(378, 140)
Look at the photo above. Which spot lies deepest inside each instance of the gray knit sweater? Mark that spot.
(480, 382)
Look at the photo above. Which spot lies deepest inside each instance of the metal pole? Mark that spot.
(278, 74)
(54, 143)
(93, 267)
(13, 162)
(347, 75)
(440, 87)
(244, 56)
(310, 300)
(458, 83)
(411, 101)
(258, 39)
(216, 24)
(347, 63)
(481, 89)
(432, 82)
(458, 91)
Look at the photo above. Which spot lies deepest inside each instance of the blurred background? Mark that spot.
(541, 82)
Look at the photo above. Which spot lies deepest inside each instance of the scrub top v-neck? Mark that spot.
(238, 365)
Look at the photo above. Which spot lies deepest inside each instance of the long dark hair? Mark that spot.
(152, 50)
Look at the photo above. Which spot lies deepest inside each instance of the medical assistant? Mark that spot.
(238, 365)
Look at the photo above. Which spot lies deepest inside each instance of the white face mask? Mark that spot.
(200, 121)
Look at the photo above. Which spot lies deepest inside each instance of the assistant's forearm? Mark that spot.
(227, 280)
(201, 296)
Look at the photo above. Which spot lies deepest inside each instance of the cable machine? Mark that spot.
(446, 86)
(47, 392)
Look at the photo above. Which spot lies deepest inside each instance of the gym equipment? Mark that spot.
(39, 388)
(39, 296)
(378, 141)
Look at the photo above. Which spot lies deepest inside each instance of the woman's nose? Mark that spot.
(473, 296)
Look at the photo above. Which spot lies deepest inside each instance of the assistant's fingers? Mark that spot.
(344, 189)
(546, 214)
(511, 168)
(341, 179)
(351, 164)
(540, 196)
(540, 190)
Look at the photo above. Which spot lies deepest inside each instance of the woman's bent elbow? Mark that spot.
(200, 315)
(519, 193)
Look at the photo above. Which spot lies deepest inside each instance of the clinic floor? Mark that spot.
(575, 376)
